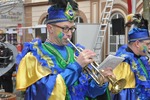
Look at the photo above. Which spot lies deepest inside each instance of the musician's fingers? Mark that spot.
(90, 54)
(109, 68)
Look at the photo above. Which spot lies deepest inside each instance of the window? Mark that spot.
(114, 41)
(41, 32)
(78, 19)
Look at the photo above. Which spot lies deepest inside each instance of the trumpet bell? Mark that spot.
(117, 85)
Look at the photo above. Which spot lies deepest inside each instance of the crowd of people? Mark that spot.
(54, 69)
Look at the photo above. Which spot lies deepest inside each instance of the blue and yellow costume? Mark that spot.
(135, 69)
(46, 75)
(47, 71)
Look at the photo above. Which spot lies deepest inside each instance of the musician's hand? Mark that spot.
(85, 57)
(107, 72)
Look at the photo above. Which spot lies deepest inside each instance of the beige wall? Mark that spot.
(84, 6)
(91, 8)
(37, 13)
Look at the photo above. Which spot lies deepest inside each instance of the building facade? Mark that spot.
(89, 12)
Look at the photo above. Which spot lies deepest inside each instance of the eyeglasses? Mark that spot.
(66, 28)
(147, 43)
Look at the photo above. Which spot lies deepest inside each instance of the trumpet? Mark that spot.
(94, 72)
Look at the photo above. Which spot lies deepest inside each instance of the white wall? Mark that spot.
(86, 34)
(39, 0)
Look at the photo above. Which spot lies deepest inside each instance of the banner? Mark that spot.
(129, 6)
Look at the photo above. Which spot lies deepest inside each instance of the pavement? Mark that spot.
(19, 94)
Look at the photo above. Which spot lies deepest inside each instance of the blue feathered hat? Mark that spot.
(138, 34)
(61, 10)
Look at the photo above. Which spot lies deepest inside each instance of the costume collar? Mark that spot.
(129, 50)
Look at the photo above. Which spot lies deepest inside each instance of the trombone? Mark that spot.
(94, 72)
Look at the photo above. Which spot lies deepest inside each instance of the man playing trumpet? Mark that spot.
(49, 71)
(135, 68)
